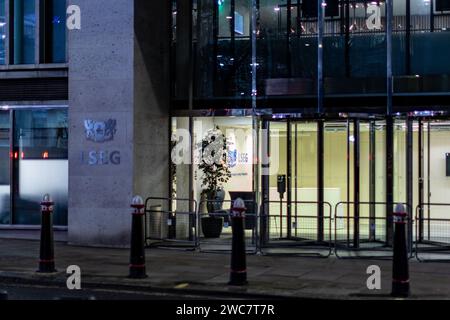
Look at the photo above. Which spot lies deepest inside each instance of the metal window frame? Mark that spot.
(13, 180)
(38, 57)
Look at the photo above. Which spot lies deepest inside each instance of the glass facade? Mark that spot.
(5, 171)
(19, 29)
(34, 161)
(349, 49)
(3, 27)
(53, 31)
(338, 90)
(24, 31)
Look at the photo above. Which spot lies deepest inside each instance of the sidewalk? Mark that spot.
(184, 271)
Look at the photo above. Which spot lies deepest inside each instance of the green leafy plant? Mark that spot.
(213, 162)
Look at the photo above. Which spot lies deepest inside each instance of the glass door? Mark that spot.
(5, 165)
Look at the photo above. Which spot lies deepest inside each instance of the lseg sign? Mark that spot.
(100, 132)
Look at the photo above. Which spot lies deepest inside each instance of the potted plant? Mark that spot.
(216, 173)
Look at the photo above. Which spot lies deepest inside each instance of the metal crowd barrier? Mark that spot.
(432, 233)
(366, 236)
(222, 240)
(171, 228)
(307, 234)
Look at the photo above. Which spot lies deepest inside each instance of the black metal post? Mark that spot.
(47, 256)
(400, 267)
(238, 271)
(372, 181)
(408, 38)
(233, 46)
(428, 180)
(347, 39)
(409, 180)
(288, 37)
(432, 16)
(348, 181)
(281, 216)
(389, 178)
(320, 80)
(289, 180)
(296, 179)
(215, 48)
(421, 181)
(265, 183)
(137, 252)
(356, 182)
(320, 180)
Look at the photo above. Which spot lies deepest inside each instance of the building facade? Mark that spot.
(347, 100)
(97, 95)
(349, 103)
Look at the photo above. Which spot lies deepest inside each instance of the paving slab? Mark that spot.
(188, 271)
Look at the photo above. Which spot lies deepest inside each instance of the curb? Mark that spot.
(92, 283)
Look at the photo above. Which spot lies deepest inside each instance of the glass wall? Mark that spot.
(5, 171)
(3, 27)
(239, 140)
(354, 46)
(24, 31)
(222, 48)
(420, 53)
(53, 31)
(195, 144)
(40, 164)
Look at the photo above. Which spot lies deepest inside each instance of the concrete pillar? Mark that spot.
(183, 189)
(118, 71)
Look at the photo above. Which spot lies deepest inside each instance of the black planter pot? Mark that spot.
(215, 201)
(250, 222)
(212, 226)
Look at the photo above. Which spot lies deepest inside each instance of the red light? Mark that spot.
(16, 155)
(22, 155)
(45, 155)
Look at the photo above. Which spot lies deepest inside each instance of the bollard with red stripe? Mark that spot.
(137, 252)
(46, 254)
(238, 272)
(400, 267)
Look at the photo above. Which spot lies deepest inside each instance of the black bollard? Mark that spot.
(46, 257)
(400, 268)
(137, 253)
(238, 272)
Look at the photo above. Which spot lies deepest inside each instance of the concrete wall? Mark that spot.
(117, 70)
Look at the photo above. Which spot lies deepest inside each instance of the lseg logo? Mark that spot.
(100, 132)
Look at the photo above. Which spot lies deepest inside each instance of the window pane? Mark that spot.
(53, 31)
(5, 216)
(2, 32)
(24, 31)
(40, 164)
